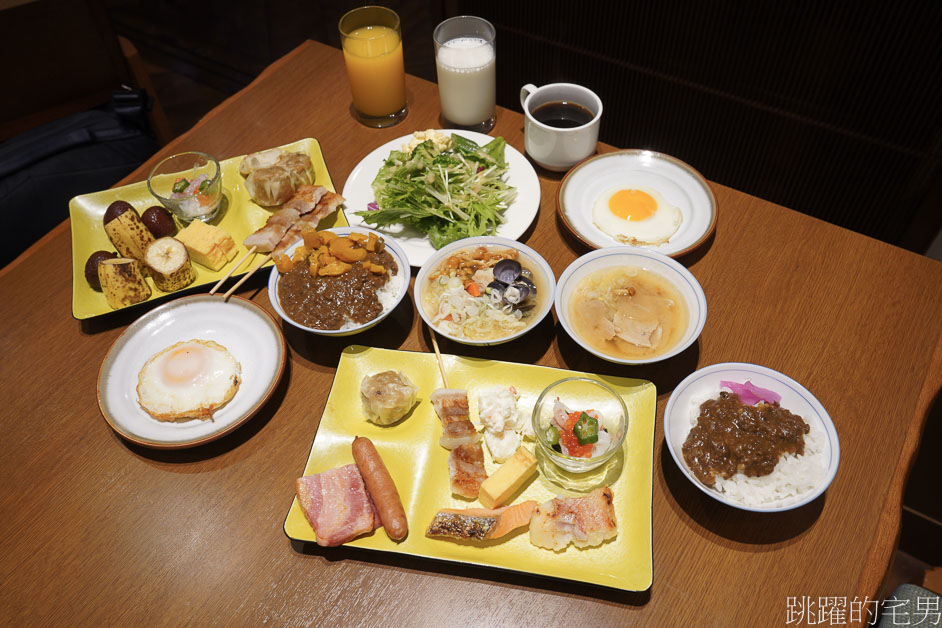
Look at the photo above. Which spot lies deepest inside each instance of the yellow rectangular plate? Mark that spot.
(419, 467)
(239, 219)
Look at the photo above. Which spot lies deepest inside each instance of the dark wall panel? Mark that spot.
(833, 109)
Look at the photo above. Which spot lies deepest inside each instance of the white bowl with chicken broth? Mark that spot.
(630, 306)
(485, 290)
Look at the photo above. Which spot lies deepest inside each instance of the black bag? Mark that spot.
(41, 169)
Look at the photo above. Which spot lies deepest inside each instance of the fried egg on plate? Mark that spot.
(188, 380)
(637, 215)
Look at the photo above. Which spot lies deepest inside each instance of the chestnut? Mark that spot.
(116, 209)
(159, 221)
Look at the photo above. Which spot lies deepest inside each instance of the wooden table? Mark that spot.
(99, 531)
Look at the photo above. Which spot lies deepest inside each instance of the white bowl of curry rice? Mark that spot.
(751, 437)
(339, 281)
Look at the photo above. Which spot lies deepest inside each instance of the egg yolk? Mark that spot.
(632, 205)
(182, 365)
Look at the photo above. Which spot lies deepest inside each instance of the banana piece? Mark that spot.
(170, 264)
(122, 282)
(129, 235)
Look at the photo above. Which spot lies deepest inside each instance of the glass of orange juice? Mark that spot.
(372, 49)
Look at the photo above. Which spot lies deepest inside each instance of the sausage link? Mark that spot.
(381, 488)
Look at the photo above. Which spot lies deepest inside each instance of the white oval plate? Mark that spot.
(249, 333)
(678, 183)
(358, 192)
(796, 398)
(403, 273)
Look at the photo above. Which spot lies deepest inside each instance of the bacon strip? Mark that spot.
(337, 505)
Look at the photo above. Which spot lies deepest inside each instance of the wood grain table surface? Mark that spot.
(99, 531)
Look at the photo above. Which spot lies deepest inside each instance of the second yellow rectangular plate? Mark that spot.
(419, 467)
(241, 218)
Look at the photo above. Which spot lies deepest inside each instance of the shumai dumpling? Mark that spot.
(275, 182)
(387, 396)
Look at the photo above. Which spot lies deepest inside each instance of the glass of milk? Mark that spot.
(465, 56)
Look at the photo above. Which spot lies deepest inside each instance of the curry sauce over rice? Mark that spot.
(335, 281)
(327, 302)
(730, 437)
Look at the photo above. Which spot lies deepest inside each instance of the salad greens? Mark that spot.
(447, 194)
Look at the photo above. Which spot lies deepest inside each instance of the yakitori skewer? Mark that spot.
(285, 227)
(246, 276)
(232, 270)
(438, 356)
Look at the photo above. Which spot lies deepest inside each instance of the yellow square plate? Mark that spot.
(419, 467)
(240, 218)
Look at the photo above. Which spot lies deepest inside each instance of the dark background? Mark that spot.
(833, 109)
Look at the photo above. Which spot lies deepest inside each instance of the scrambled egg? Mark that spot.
(441, 140)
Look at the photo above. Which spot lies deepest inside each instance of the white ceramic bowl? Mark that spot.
(529, 258)
(705, 383)
(672, 271)
(402, 276)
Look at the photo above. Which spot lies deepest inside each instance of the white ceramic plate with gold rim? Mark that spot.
(246, 330)
(677, 183)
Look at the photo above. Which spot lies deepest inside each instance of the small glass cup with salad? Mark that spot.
(580, 423)
(189, 185)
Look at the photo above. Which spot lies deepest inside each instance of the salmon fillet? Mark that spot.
(480, 524)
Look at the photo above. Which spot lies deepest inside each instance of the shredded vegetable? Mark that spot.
(464, 315)
(449, 194)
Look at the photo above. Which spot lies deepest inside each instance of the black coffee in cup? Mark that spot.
(563, 114)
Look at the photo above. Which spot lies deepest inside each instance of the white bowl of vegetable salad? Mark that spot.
(485, 290)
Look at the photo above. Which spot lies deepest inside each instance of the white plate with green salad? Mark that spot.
(441, 191)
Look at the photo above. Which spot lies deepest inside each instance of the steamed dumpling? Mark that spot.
(274, 181)
(387, 396)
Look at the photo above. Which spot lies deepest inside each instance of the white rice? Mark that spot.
(386, 295)
(794, 476)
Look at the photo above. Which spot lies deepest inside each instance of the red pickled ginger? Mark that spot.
(750, 394)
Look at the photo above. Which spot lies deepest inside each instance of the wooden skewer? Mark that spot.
(438, 356)
(246, 276)
(232, 270)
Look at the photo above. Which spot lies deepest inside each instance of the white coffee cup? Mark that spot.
(553, 147)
